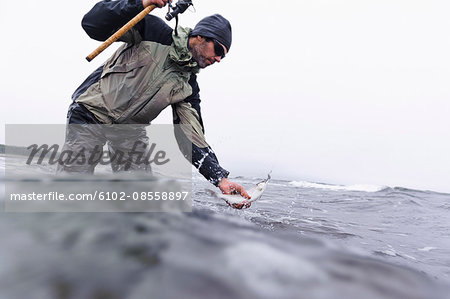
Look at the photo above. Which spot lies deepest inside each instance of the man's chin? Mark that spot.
(205, 63)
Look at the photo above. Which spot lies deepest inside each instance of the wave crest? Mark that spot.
(359, 187)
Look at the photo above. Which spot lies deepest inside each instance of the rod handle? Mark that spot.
(120, 32)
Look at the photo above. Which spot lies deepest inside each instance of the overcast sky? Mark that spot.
(344, 92)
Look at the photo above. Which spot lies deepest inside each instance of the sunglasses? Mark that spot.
(218, 48)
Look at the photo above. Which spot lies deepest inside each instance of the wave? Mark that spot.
(360, 187)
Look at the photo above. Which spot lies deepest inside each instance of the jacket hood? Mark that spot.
(180, 53)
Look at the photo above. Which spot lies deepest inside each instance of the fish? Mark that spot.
(236, 200)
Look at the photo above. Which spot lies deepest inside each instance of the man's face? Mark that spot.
(204, 53)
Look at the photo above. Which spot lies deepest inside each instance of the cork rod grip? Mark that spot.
(120, 32)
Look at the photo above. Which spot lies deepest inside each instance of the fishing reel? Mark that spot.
(180, 7)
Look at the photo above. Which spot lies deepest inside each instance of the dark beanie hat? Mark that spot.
(216, 27)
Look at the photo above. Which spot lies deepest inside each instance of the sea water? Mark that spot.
(300, 240)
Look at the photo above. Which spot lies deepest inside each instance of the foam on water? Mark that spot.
(363, 188)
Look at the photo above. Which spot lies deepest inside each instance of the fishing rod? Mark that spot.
(180, 7)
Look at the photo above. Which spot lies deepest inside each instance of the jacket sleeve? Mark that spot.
(192, 142)
(106, 17)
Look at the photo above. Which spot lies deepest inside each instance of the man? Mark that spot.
(155, 68)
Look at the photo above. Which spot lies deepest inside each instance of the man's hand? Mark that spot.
(229, 187)
(158, 3)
